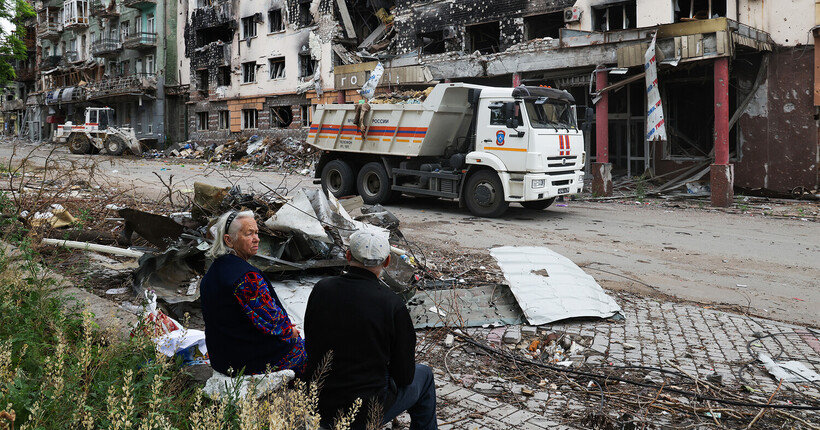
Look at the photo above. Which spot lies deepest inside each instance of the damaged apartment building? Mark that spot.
(736, 78)
(251, 63)
(105, 53)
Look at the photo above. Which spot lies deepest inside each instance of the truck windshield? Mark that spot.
(550, 114)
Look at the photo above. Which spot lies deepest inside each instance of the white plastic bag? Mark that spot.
(369, 88)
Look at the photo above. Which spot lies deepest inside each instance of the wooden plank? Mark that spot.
(684, 47)
(721, 43)
(698, 42)
(348, 23)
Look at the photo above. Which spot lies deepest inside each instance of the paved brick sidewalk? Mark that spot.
(700, 341)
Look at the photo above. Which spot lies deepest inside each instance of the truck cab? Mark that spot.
(530, 137)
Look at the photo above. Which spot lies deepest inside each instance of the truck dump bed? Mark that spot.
(425, 129)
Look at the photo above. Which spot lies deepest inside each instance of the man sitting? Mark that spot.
(369, 332)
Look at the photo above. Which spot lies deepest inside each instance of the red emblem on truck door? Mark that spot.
(499, 137)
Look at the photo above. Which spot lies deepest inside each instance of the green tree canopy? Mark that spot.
(13, 15)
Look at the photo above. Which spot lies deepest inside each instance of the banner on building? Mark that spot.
(655, 125)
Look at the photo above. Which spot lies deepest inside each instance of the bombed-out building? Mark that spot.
(105, 53)
(736, 78)
(250, 65)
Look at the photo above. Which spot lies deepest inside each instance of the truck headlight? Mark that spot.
(539, 183)
(583, 158)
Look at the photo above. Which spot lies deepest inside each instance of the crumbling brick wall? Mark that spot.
(415, 17)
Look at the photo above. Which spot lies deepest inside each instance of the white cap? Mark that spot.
(369, 248)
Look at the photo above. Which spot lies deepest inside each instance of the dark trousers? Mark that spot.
(418, 399)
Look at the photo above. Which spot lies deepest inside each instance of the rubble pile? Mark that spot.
(252, 151)
(402, 97)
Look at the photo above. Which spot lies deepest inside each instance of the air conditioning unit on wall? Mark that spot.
(572, 14)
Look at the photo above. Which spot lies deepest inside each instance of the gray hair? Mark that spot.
(219, 248)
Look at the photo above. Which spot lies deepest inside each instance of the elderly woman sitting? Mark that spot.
(246, 327)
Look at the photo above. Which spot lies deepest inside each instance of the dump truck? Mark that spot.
(484, 146)
(98, 132)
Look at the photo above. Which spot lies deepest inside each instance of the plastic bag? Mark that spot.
(369, 88)
(170, 337)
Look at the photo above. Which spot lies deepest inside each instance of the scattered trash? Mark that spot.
(115, 291)
(788, 371)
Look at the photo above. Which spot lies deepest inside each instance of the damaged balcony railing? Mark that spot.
(51, 62)
(140, 41)
(49, 30)
(139, 3)
(106, 47)
(136, 84)
(72, 56)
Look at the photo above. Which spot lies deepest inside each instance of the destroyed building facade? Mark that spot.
(120, 54)
(250, 65)
(739, 73)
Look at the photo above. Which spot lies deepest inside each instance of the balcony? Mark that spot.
(76, 23)
(212, 54)
(106, 48)
(13, 105)
(24, 75)
(49, 30)
(139, 4)
(136, 85)
(51, 61)
(103, 11)
(140, 41)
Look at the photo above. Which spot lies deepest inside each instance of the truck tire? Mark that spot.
(538, 204)
(114, 145)
(484, 195)
(338, 178)
(78, 143)
(374, 184)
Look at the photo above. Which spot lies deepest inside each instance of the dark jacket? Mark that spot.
(233, 341)
(369, 330)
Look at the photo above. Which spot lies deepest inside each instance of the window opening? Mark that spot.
(202, 121)
(249, 117)
(248, 72)
(248, 27)
(277, 67)
(691, 10)
(307, 66)
(224, 120)
(281, 116)
(615, 17)
(544, 25)
(275, 23)
(223, 76)
(484, 38)
(432, 42)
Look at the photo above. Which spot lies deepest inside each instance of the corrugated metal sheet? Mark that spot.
(549, 287)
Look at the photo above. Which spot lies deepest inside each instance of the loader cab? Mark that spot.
(99, 118)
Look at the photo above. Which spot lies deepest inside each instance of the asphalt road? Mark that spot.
(760, 265)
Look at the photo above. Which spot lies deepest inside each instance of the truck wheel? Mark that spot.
(338, 178)
(114, 145)
(79, 143)
(374, 184)
(538, 204)
(484, 195)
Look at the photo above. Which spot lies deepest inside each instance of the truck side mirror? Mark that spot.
(512, 123)
(588, 114)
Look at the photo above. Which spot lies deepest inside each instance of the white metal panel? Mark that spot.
(549, 287)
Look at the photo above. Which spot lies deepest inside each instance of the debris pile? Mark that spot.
(402, 97)
(253, 151)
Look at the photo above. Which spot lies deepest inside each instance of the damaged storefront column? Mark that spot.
(601, 168)
(722, 173)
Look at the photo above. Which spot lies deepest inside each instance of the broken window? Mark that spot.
(689, 10)
(223, 76)
(307, 66)
(305, 111)
(281, 116)
(203, 3)
(544, 25)
(249, 72)
(224, 120)
(249, 27)
(618, 16)
(202, 120)
(484, 38)
(305, 17)
(277, 67)
(125, 29)
(432, 42)
(204, 80)
(207, 36)
(249, 118)
(275, 23)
